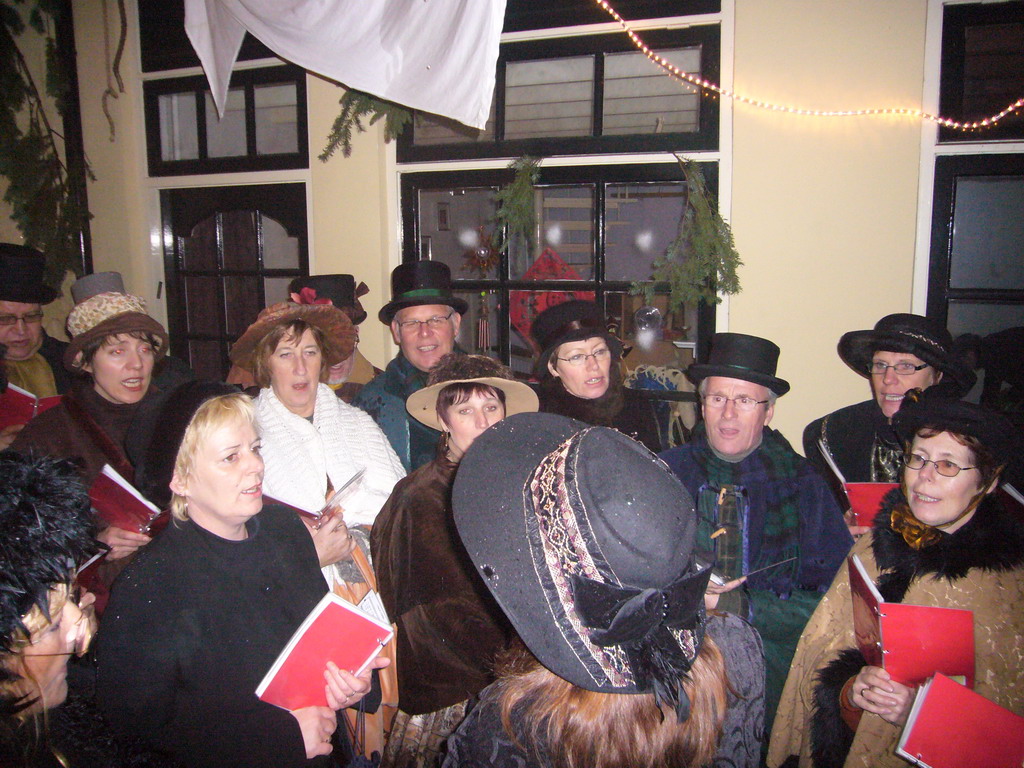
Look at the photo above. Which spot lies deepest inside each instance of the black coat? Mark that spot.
(850, 435)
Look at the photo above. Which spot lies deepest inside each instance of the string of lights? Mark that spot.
(708, 87)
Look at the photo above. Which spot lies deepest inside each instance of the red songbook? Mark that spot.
(950, 726)
(866, 498)
(120, 504)
(335, 630)
(19, 406)
(911, 642)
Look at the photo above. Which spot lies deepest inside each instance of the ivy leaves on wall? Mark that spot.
(40, 190)
(701, 262)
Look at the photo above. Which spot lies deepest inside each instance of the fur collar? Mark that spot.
(601, 411)
(992, 540)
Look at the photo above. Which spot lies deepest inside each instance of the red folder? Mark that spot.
(335, 630)
(911, 642)
(19, 406)
(952, 727)
(119, 504)
(866, 498)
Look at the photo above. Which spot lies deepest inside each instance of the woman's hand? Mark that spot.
(714, 590)
(317, 725)
(873, 690)
(7, 435)
(345, 689)
(332, 540)
(121, 542)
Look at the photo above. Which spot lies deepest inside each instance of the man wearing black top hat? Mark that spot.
(34, 360)
(902, 352)
(424, 317)
(763, 510)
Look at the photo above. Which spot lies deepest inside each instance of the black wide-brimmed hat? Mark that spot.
(416, 283)
(340, 290)
(936, 408)
(915, 335)
(574, 320)
(21, 275)
(586, 540)
(739, 356)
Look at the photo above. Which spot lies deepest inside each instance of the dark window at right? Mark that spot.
(982, 69)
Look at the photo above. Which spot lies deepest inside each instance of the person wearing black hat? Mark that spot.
(944, 539)
(33, 359)
(900, 353)
(424, 316)
(586, 541)
(580, 376)
(763, 509)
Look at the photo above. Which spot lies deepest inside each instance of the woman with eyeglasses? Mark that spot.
(579, 372)
(942, 539)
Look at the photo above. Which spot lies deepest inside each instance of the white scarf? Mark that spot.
(342, 439)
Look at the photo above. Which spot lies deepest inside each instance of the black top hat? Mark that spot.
(21, 275)
(739, 356)
(916, 335)
(340, 289)
(416, 283)
(569, 321)
(936, 408)
(586, 539)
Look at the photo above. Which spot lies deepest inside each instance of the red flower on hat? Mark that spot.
(308, 296)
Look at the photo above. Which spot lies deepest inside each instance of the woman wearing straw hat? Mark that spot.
(942, 539)
(449, 629)
(114, 345)
(587, 542)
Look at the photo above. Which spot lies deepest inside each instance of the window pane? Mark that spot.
(478, 333)
(641, 221)
(640, 97)
(552, 97)
(988, 233)
(565, 237)
(199, 251)
(276, 289)
(433, 129)
(203, 305)
(179, 137)
(983, 319)
(276, 119)
(678, 328)
(280, 250)
(993, 68)
(242, 299)
(226, 137)
(456, 227)
(241, 244)
(524, 306)
(206, 359)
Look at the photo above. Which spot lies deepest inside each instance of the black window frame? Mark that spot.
(599, 175)
(247, 79)
(706, 138)
(956, 19)
(948, 170)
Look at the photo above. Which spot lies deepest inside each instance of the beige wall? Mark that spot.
(824, 210)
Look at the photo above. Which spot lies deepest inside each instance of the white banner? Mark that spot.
(438, 56)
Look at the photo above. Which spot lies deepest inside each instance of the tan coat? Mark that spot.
(997, 599)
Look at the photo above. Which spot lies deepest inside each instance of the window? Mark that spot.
(598, 229)
(982, 68)
(585, 95)
(263, 128)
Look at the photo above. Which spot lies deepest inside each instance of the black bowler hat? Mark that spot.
(586, 540)
(915, 335)
(340, 289)
(21, 275)
(739, 356)
(569, 321)
(416, 283)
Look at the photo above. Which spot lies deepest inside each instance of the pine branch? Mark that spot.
(356, 105)
(516, 214)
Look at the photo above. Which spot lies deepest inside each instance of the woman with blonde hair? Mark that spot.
(200, 616)
(586, 540)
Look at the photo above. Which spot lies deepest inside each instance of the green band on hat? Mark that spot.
(423, 292)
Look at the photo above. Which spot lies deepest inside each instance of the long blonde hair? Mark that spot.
(588, 729)
(209, 417)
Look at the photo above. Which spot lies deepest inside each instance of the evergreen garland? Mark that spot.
(516, 214)
(701, 262)
(44, 206)
(356, 105)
